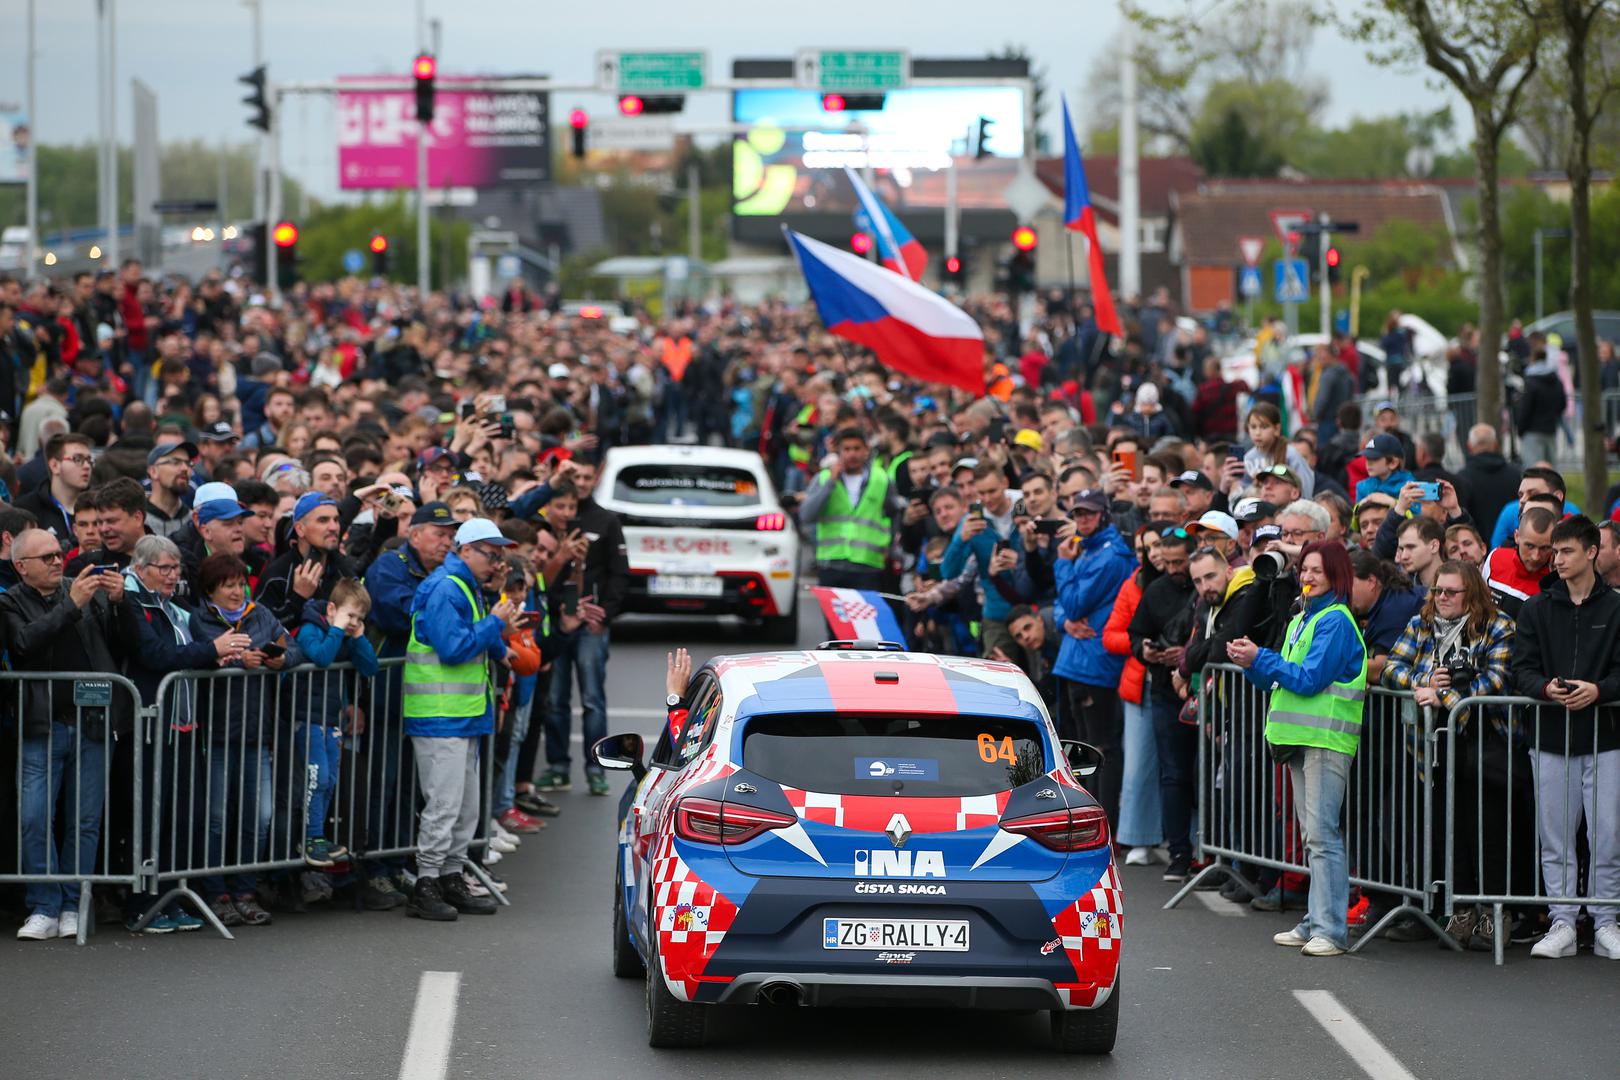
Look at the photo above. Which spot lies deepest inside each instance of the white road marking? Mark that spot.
(433, 1024)
(1352, 1035)
(1219, 905)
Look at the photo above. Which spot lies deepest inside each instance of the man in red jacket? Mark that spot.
(1516, 573)
(137, 326)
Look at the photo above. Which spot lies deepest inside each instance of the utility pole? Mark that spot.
(1324, 289)
(31, 251)
(423, 261)
(261, 209)
(110, 90)
(694, 211)
(1130, 207)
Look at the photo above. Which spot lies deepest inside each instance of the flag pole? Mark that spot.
(1068, 251)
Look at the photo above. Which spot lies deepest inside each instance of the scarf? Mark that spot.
(232, 616)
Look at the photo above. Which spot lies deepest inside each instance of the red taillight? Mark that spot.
(1064, 830)
(770, 522)
(707, 821)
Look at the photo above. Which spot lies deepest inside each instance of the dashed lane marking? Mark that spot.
(433, 1026)
(1352, 1035)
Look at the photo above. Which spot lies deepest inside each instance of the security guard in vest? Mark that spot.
(1318, 683)
(852, 506)
(450, 707)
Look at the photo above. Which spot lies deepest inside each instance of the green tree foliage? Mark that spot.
(330, 231)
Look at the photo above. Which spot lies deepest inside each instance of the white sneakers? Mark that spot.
(1139, 856)
(43, 928)
(1606, 941)
(1291, 939)
(1557, 942)
(1321, 946)
(68, 925)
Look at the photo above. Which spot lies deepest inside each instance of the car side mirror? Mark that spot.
(621, 752)
(1083, 758)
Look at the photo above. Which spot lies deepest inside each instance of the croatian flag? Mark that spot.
(858, 615)
(897, 248)
(911, 329)
(1078, 215)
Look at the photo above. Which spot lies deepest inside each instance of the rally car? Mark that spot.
(705, 534)
(859, 825)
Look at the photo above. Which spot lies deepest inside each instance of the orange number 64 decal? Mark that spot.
(991, 751)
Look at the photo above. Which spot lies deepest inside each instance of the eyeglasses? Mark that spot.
(51, 557)
(77, 459)
(1438, 591)
(164, 568)
(1181, 533)
(1299, 534)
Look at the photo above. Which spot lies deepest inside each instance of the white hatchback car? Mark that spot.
(705, 534)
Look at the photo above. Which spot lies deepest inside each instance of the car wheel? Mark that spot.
(1088, 1031)
(783, 629)
(672, 1024)
(626, 961)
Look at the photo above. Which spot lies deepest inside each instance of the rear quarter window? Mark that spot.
(854, 754)
(661, 484)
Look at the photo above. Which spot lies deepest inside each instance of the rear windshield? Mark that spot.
(852, 754)
(657, 484)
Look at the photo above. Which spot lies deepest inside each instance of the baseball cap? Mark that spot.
(1030, 438)
(1252, 509)
(480, 531)
(433, 513)
(213, 491)
(1090, 499)
(431, 456)
(559, 371)
(160, 452)
(1382, 405)
(1383, 446)
(218, 431)
(310, 500)
(965, 463)
(1283, 472)
(1217, 521)
(1264, 533)
(221, 510)
(1193, 478)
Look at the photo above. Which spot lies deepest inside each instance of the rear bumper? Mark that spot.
(746, 593)
(907, 991)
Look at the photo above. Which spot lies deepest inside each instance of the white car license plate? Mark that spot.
(921, 935)
(685, 585)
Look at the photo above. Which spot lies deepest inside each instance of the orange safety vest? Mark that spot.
(676, 354)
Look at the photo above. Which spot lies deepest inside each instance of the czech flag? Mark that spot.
(897, 248)
(858, 615)
(1078, 215)
(911, 329)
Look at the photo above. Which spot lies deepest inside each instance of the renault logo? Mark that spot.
(898, 831)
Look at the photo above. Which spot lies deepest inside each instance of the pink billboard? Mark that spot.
(477, 139)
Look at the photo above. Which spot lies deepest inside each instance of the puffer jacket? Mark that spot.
(1087, 587)
(1116, 638)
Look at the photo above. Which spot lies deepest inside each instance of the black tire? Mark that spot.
(783, 629)
(1088, 1031)
(672, 1024)
(626, 961)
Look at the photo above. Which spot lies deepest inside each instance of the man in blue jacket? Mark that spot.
(986, 527)
(449, 707)
(1091, 567)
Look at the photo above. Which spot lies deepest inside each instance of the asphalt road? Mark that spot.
(334, 993)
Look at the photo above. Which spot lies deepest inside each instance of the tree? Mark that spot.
(1488, 50)
(1229, 148)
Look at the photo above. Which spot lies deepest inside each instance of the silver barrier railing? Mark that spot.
(1531, 793)
(75, 757)
(1246, 814)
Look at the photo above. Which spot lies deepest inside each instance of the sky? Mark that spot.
(190, 52)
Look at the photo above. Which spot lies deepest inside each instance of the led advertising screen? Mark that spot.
(477, 140)
(791, 160)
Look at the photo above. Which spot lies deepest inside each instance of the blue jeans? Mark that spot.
(1178, 773)
(1319, 778)
(1140, 813)
(506, 785)
(45, 760)
(319, 750)
(584, 653)
(241, 804)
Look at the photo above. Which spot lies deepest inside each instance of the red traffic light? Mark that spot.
(284, 235)
(1333, 256)
(1024, 238)
(953, 265)
(631, 105)
(425, 67)
(860, 243)
(379, 243)
(577, 120)
(833, 103)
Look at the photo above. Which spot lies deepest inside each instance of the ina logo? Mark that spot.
(901, 864)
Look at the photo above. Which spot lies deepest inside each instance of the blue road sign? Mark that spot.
(1249, 282)
(353, 261)
(1292, 281)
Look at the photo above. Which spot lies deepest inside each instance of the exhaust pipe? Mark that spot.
(781, 993)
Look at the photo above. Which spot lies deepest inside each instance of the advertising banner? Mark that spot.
(16, 147)
(476, 140)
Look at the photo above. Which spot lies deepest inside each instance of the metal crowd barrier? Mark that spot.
(211, 785)
(1533, 803)
(1246, 816)
(76, 762)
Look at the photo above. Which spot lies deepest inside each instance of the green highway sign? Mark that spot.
(629, 72)
(845, 69)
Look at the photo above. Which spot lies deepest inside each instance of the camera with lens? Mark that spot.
(1461, 671)
(1269, 565)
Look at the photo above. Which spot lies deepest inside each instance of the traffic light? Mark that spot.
(650, 104)
(852, 102)
(285, 237)
(981, 149)
(578, 121)
(861, 243)
(425, 70)
(256, 238)
(953, 269)
(1332, 259)
(256, 100)
(379, 255)
(1021, 271)
(1024, 238)
(1310, 249)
